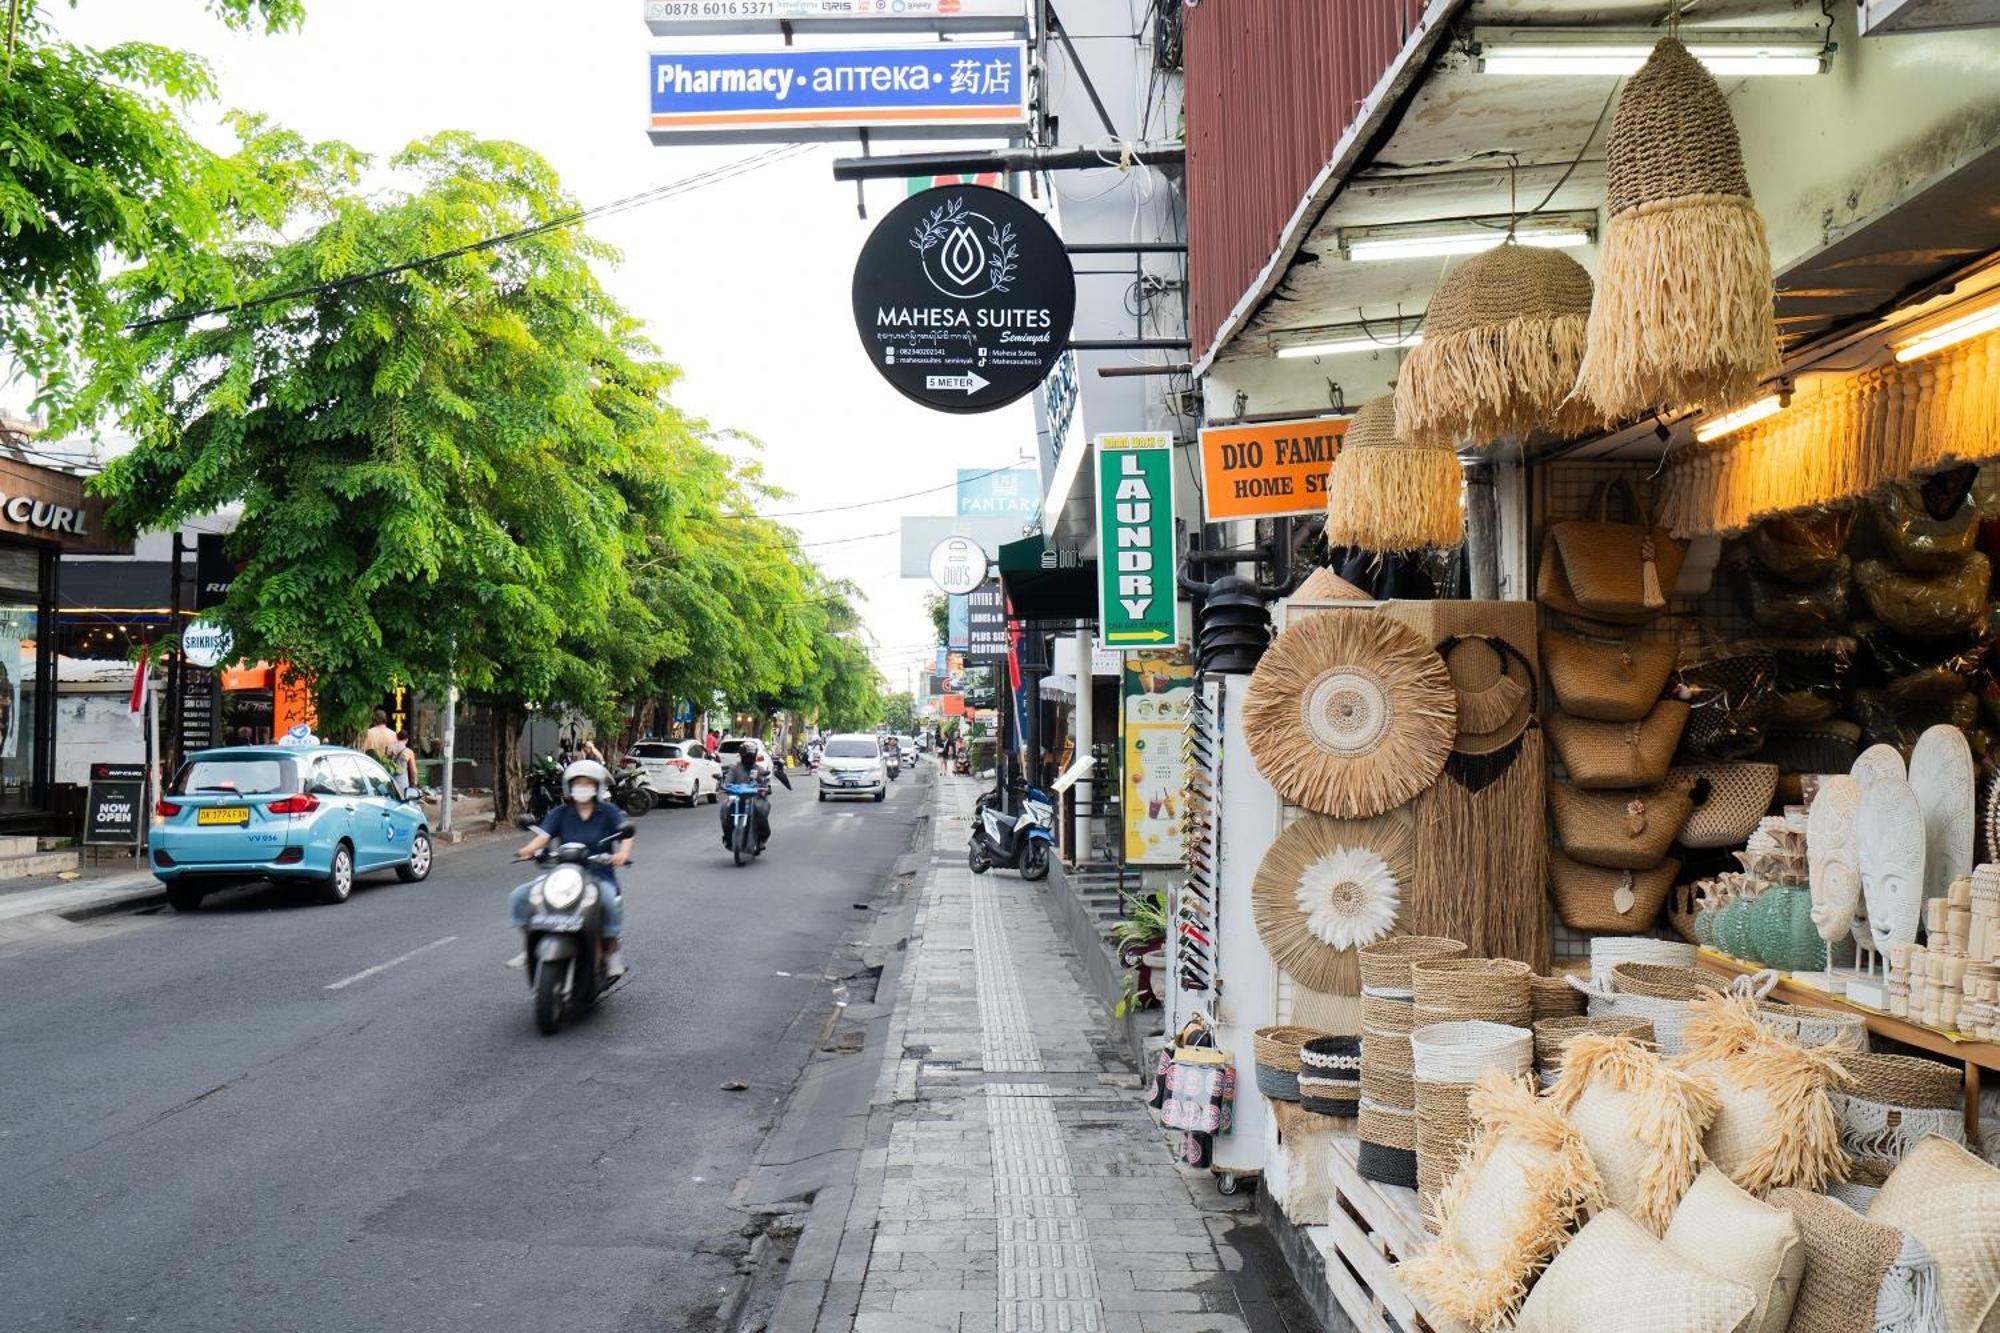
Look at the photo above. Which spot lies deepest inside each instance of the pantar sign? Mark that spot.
(1268, 470)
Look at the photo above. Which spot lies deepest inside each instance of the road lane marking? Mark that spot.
(368, 972)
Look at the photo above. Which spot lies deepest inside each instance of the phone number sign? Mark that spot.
(955, 88)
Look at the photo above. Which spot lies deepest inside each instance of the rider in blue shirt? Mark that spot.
(585, 819)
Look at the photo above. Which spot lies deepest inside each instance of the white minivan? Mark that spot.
(853, 766)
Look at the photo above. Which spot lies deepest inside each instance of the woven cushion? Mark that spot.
(1861, 1276)
(1509, 1208)
(1615, 1275)
(1733, 1236)
(1950, 1201)
(1641, 1121)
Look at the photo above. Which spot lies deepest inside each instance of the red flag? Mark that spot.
(139, 681)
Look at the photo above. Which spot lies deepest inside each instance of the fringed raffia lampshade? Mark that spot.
(1683, 311)
(1386, 495)
(1503, 340)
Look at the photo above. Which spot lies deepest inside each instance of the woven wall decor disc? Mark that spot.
(1496, 692)
(1350, 713)
(1376, 854)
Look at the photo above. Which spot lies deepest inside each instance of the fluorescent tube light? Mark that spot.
(1616, 52)
(1950, 335)
(1358, 342)
(1732, 421)
(1465, 236)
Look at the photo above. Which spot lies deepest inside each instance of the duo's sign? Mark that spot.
(1135, 537)
(678, 17)
(944, 89)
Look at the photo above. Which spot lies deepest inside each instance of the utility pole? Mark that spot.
(176, 669)
(450, 751)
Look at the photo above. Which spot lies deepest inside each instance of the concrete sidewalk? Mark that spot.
(1012, 1176)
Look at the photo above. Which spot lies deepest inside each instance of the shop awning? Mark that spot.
(1045, 582)
(1061, 686)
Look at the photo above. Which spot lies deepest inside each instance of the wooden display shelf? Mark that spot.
(1975, 1056)
(1370, 1229)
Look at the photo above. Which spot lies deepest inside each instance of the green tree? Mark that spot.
(98, 168)
(900, 712)
(938, 607)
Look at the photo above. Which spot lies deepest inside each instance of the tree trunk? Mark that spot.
(509, 781)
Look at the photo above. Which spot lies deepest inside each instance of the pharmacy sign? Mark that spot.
(1135, 537)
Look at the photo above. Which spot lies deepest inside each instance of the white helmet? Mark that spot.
(588, 769)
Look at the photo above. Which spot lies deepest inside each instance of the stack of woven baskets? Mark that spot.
(1388, 1129)
(1470, 1015)
(1277, 1050)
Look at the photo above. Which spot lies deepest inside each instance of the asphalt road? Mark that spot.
(256, 1118)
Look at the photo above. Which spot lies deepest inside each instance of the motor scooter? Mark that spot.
(1010, 841)
(632, 790)
(743, 820)
(894, 763)
(564, 937)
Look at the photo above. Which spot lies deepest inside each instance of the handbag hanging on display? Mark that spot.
(1599, 569)
(1609, 902)
(1603, 755)
(1618, 830)
(1605, 678)
(1729, 692)
(1736, 796)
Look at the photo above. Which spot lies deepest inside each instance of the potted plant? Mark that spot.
(1141, 938)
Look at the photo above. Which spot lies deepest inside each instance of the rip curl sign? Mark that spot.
(963, 297)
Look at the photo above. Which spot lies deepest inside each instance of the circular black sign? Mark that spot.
(963, 296)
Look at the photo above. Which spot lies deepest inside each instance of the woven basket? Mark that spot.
(1618, 830)
(1607, 953)
(1668, 1017)
(1277, 1054)
(1603, 755)
(1553, 997)
(1330, 1075)
(1386, 1119)
(1448, 1058)
(1891, 1103)
(1814, 1028)
(1664, 983)
(1607, 680)
(1552, 1035)
(1450, 990)
(1738, 796)
(1589, 897)
(1385, 965)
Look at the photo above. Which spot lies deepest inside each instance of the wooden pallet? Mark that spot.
(1371, 1228)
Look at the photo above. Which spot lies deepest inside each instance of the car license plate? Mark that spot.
(556, 921)
(223, 814)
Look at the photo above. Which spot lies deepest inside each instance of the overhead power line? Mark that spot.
(685, 185)
(886, 499)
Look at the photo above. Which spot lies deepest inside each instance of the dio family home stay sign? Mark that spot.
(963, 297)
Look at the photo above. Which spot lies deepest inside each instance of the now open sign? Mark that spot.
(1268, 470)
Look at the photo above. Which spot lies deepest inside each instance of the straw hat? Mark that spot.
(1503, 340)
(1327, 887)
(1384, 494)
(1683, 314)
(1323, 585)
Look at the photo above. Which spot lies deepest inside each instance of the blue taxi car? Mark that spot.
(318, 815)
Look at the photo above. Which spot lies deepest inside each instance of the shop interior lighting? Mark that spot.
(1732, 421)
(1352, 338)
(1949, 335)
(1616, 52)
(1465, 236)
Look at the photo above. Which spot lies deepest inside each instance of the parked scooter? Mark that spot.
(632, 790)
(564, 937)
(1012, 841)
(743, 820)
(544, 787)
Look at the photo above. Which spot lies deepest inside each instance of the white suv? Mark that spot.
(678, 770)
(853, 766)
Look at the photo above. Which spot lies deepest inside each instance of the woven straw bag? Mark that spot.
(1624, 902)
(1447, 1059)
(1950, 1201)
(1553, 1036)
(1450, 990)
(1600, 569)
(1602, 755)
(1738, 796)
(1618, 830)
(1609, 952)
(1277, 1054)
(1607, 679)
(1891, 1103)
(1616, 1275)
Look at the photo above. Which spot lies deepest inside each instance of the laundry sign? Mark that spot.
(1268, 470)
(1135, 535)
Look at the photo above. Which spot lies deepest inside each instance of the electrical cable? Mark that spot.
(888, 499)
(686, 184)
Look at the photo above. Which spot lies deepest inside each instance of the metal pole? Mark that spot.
(1085, 734)
(176, 670)
(450, 754)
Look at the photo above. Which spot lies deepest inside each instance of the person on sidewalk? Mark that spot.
(746, 771)
(585, 819)
(379, 739)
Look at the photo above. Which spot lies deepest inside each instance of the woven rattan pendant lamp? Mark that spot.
(1384, 494)
(1503, 340)
(1683, 312)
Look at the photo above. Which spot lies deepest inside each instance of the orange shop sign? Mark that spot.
(1268, 470)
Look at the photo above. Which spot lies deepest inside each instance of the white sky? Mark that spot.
(745, 284)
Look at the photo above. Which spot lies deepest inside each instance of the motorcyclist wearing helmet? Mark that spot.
(746, 770)
(586, 819)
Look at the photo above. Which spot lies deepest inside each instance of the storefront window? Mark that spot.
(20, 602)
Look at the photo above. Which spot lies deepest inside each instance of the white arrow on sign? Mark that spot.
(971, 383)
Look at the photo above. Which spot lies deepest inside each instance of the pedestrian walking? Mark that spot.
(380, 738)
